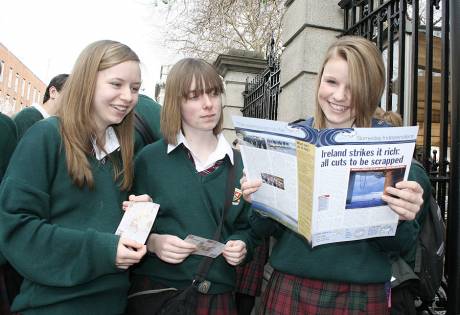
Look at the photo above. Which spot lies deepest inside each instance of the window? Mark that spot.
(23, 87)
(39, 98)
(16, 83)
(3, 70)
(10, 77)
(28, 91)
(34, 94)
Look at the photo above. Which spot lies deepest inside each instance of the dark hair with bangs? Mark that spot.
(178, 83)
(58, 83)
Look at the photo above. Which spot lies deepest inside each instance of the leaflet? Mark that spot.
(138, 221)
(325, 185)
(205, 247)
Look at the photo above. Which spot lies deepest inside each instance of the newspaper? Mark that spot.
(325, 184)
(138, 221)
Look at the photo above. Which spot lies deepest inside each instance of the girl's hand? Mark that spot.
(134, 198)
(249, 187)
(129, 253)
(406, 199)
(169, 248)
(234, 252)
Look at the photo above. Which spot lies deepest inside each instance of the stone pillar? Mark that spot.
(309, 27)
(235, 67)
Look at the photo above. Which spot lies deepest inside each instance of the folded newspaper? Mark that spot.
(327, 184)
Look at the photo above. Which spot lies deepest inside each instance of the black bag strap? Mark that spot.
(206, 262)
(143, 128)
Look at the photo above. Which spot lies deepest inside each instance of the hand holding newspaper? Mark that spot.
(138, 221)
(325, 185)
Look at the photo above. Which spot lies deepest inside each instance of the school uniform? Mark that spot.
(150, 111)
(191, 197)
(338, 278)
(8, 139)
(58, 236)
(29, 116)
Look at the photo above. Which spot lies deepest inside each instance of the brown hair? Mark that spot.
(178, 84)
(392, 118)
(366, 77)
(77, 123)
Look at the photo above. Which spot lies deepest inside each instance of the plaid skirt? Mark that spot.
(287, 294)
(250, 276)
(207, 304)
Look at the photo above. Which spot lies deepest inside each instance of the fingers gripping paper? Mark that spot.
(138, 221)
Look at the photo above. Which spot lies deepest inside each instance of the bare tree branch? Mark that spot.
(206, 28)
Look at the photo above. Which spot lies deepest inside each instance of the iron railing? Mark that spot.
(414, 38)
(261, 93)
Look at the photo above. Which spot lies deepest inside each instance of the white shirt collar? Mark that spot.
(41, 110)
(223, 148)
(111, 144)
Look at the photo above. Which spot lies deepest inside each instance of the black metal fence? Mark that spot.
(261, 93)
(413, 36)
(417, 65)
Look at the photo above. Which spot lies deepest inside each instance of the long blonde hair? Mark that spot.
(77, 123)
(366, 77)
(178, 84)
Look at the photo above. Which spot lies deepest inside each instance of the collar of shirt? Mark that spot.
(111, 144)
(223, 148)
(41, 110)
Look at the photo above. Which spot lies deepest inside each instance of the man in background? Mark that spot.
(30, 115)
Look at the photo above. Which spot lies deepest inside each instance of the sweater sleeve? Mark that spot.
(43, 252)
(242, 230)
(8, 138)
(263, 226)
(408, 231)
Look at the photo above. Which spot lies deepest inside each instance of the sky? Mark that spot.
(48, 35)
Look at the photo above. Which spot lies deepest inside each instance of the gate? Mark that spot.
(261, 93)
(414, 38)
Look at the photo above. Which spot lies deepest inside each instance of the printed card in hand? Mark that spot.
(138, 221)
(205, 247)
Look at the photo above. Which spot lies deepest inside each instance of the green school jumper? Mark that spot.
(173, 182)
(26, 118)
(8, 139)
(364, 261)
(58, 236)
(150, 111)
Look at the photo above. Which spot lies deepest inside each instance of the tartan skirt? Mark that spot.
(249, 277)
(207, 304)
(287, 294)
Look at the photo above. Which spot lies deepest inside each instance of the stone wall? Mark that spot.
(235, 67)
(309, 27)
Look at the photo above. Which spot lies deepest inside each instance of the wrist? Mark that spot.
(151, 243)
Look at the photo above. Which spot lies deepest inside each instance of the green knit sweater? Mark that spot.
(58, 236)
(363, 261)
(150, 111)
(172, 181)
(8, 139)
(25, 119)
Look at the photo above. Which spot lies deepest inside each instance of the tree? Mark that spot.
(206, 28)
